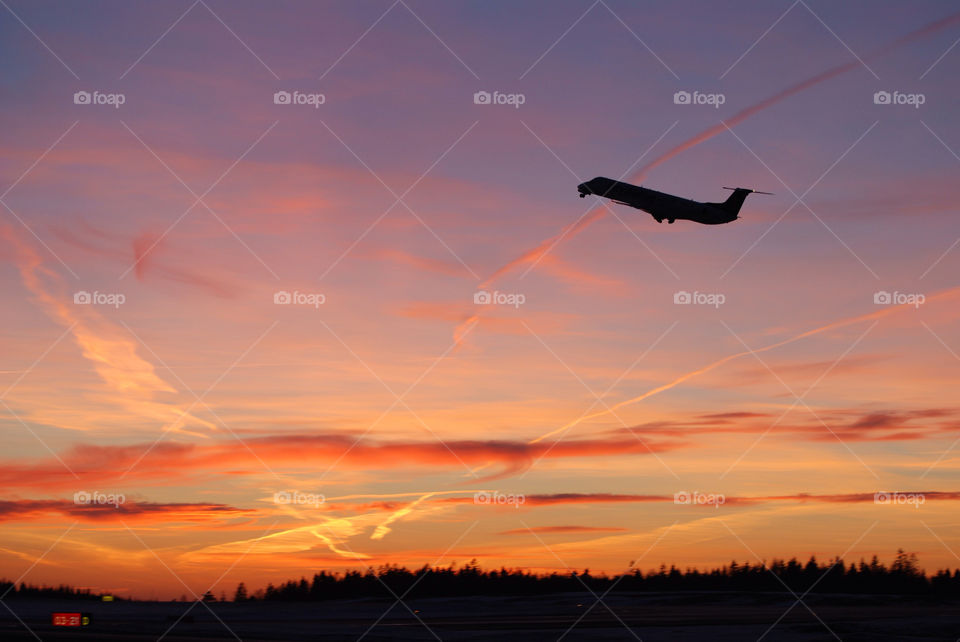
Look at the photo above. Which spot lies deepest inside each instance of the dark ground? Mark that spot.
(652, 617)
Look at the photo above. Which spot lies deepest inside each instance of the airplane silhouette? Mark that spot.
(667, 206)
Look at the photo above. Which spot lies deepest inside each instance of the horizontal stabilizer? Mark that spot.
(747, 189)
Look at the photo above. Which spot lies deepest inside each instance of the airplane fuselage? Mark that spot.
(664, 206)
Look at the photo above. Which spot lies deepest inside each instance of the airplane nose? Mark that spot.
(583, 189)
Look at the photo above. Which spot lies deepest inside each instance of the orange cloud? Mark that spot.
(554, 499)
(169, 461)
(848, 424)
(39, 509)
(562, 529)
(151, 255)
(112, 351)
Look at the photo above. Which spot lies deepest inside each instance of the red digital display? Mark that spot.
(71, 619)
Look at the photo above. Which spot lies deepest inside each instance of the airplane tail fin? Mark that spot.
(733, 204)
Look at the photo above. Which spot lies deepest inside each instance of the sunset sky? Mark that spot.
(191, 201)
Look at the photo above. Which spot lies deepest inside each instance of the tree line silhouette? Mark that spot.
(902, 577)
(10, 590)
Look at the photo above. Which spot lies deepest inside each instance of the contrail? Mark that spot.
(882, 312)
(598, 213)
(532, 255)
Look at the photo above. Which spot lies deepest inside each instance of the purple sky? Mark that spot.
(198, 199)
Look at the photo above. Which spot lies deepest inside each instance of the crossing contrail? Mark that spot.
(882, 312)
